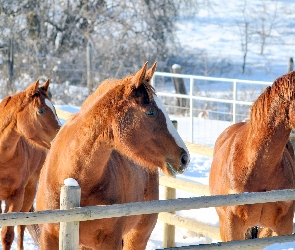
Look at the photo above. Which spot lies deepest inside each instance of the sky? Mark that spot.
(223, 40)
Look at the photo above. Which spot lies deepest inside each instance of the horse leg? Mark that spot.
(20, 237)
(49, 237)
(232, 227)
(12, 205)
(7, 237)
(137, 237)
(29, 196)
(285, 224)
(264, 232)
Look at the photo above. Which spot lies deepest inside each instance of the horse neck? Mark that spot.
(269, 129)
(9, 139)
(95, 142)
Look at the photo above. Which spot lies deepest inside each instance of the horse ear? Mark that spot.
(45, 86)
(139, 77)
(149, 74)
(33, 88)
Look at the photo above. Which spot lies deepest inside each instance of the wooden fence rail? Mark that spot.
(189, 186)
(190, 224)
(157, 206)
(147, 207)
(239, 245)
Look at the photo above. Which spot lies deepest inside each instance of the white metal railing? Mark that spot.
(192, 97)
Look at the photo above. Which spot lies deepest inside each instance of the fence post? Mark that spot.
(10, 64)
(169, 230)
(89, 68)
(179, 87)
(290, 64)
(69, 231)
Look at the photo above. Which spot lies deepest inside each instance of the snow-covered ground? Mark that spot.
(221, 37)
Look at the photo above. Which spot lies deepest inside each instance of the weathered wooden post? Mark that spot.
(69, 231)
(179, 86)
(10, 64)
(169, 230)
(290, 64)
(89, 68)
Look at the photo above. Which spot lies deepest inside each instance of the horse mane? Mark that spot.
(281, 92)
(9, 107)
(109, 85)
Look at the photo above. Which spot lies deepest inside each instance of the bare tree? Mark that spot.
(245, 32)
(266, 21)
(258, 23)
(54, 35)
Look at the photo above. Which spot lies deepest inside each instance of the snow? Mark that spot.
(219, 37)
(70, 182)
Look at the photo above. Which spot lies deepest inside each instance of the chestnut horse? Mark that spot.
(256, 156)
(28, 123)
(113, 147)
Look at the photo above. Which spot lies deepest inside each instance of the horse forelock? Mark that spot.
(150, 91)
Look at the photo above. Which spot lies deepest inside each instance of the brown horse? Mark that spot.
(113, 147)
(28, 123)
(256, 156)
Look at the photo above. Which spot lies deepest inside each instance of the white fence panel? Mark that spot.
(230, 96)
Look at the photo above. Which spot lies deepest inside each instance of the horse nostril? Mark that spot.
(184, 160)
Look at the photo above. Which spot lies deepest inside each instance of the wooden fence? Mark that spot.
(76, 214)
(70, 213)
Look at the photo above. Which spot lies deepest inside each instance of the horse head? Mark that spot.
(37, 120)
(142, 129)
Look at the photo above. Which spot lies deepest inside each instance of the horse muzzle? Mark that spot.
(182, 166)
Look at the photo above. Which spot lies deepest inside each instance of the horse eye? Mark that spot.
(151, 113)
(41, 111)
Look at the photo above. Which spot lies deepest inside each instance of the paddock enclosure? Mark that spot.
(70, 217)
